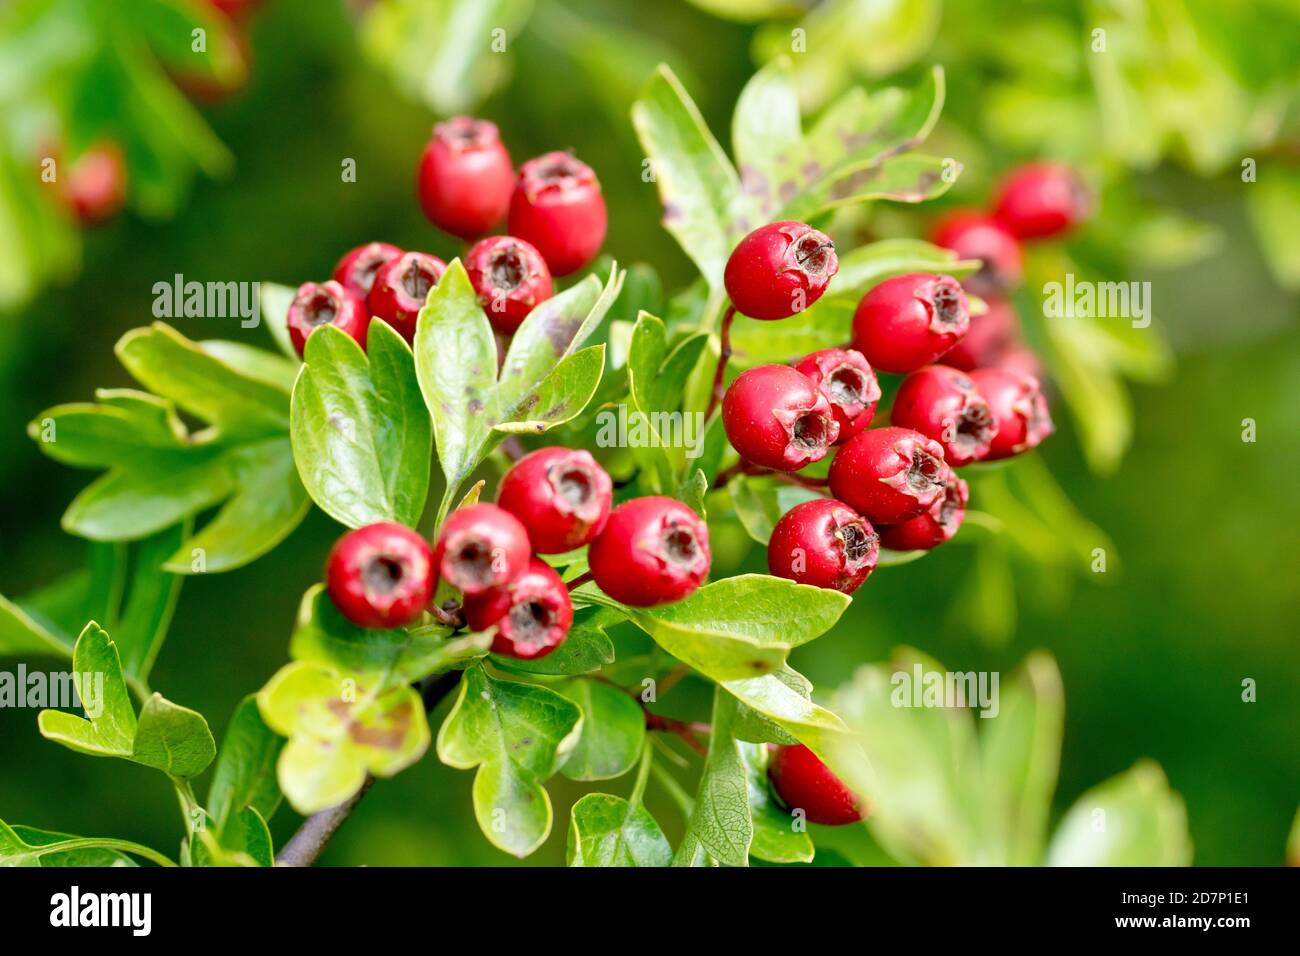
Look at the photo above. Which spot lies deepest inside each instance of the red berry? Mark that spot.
(465, 177)
(327, 303)
(973, 235)
(889, 474)
(96, 183)
(510, 277)
(779, 269)
(653, 550)
(990, 334)
(825, 543)
(532, 613)
(775, 417)
(1019, 359)
(558, 207)
(935, 525)
(481, 547)
(358, 267)
(1041, 200)
(381, 575)
(401, 285)
(560, 495)
(910, 320)
(234, 8)
(1019, 407)
(943, 403)
(849, 384)
(804, 783)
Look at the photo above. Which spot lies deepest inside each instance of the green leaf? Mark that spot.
(22, 633)
(151, 602)
(613, 731)
(867, 266)
(173, 739)
(766, 134)
(911, 178)
(273, 307)
(605, 830)
(776, 839)
(1133, 819)
(47, 848)
(760, 504)
(720, 821)
(257, 364)
(245, 772)
(560, 397)
(1274, 207)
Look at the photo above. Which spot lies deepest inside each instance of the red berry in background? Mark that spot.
(1041, 200)
(95, 185)
(401, 285)
(1019, 359)
(561, 495)
(465, 177)
(558, 207)
(845, 378)
(974, 235)
(381, 575)
(779, 269)
(824, 543)
(234, 8)
(775, 417)
(532, 613)
(910, 320)
(804, 783)
(481, 547)
(358, 267)
(933, 526)
(1019, 407)
(327, 303)
(989, 336)
(943, 403)
(889, 474)
(510, 277)
(653, 550)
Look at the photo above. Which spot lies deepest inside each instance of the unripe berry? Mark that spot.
(381, 575)
(481, 547)
(933, 526)
(989, 336)
(1019, 407)
(510, 277)
(465, 177)
(779, 269)
(1041, 200)
(326, 303)
(653, 550)
(804, 783)
(845, 378)
(561, 495)
(910, 320)
(96, 183)
(401, 287)
(532, 613)
(824, 543)
(775, 417)
(558, 207)
(973, 235)
(943, 403)
(889, 474)
(358, 267)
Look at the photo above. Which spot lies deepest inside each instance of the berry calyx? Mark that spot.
(653, 550)
(510, 277)
(775, 417)
(845, 378)
(1019, 407)
(990, 334)
(804, 783)
(973, 235)
(465, 177)
(381, 575)
(558, 207)
(943, 403)
(532, 613)
(889, 474)
(96, 183)
(358, 267)
(326, 303)
(824, 543)
(561, 495)
(910, 320)
(779, 269)
(400, 288)
(1041, 200)
(481, 547)
(935, 525)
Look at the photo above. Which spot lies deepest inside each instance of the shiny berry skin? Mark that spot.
(327, 303)
(1042, 200)
(943, 403)
(779, 269)
(653, 550)
(401, 286)
(381, 575)
(775, 417)
(804, 783)
(481, 547)
(510, 277)
(465, 177)
(561, 495)
(532, 613)
(358, 267)
(933, 526)
(825, 543)
(973, 235)
(989, 336)
(558, 207)
(910, 320)
(846, 379)
(889, 474)
(1019, 407)
(95, 185)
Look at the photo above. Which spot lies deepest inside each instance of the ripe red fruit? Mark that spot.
(845, 378)
(910, 320)
(480, 547)
(1040, 200)
(401, 285)
(358, 267)
(989, 336)
(1019, 359)
(95, 185)
(889, 474)
(973, 235)
(381, 575)
(779, 269)
(804, 783)
(943, 403)
(653, 550)
(561, 495)
(825, 543)
(532, 613)
(510, 277)
(775, 417)
(933, 526)
(465, 177)
(1019, 407)
(234, 8)
(326, 303)
(558, 207)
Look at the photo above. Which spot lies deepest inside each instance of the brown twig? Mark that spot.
(724, 355)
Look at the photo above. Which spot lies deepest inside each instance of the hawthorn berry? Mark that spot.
(910, 320)
(465, 177)
(400, 287)
(779, 269)
(380, 575)
(532, 613)
(358, 267)
(1019, 359)
(804, 783)
(561, 495)
(481, 547)
(510, 277)
(653, 550)
(935, 525)
(1019, 407)
(1041, 200)
(974, 235)
(775, 417)
(889, 474)
(557, 206)
(326, 303)
(943, 403)
(823, 542)
(990, 335)
(96, 183)
(845, 378)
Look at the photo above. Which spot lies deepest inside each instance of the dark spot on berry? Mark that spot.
(573, 485)
(974, 427)
(417, 280)
(857, 541)
(321, 309)
(809, 432)
(923, 472)
(506, 269)
(678, 545)
(847, 386)
(383, 574)
(813, 254)
(946, 301)
(529, 621)
(472, 559)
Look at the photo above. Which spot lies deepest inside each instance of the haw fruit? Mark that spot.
(510, 277)
(933, 526)
(845, 378)
(779, 269)
(653, 550)
(989, 336)
(775, 417)
(943, 403)
(973, 235)
(358, 267)
(401, 285)
(889, 474)
(804, 783)
(1019, 407)
(561, 495)
(381, 575)
(910, 320)
(1041, 200)
(327, 303)
(824, 543)
(532, 613)
(465, 177)
(558, 207)
(481, 547)
(96, 183)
